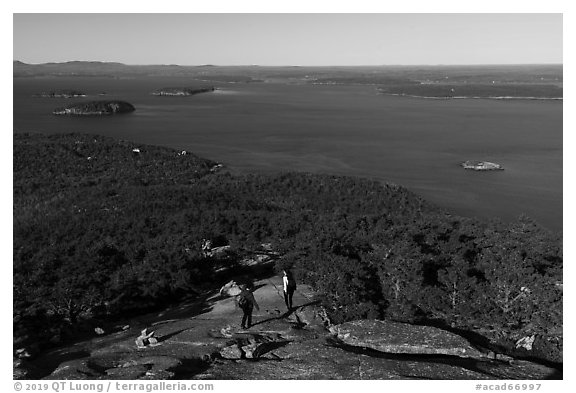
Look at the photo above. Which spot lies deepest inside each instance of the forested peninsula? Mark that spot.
(104, 228)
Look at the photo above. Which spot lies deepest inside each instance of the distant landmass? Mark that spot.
(61, 94)
(476, 90)
(467, 81)
(119, 70)
(182, 91)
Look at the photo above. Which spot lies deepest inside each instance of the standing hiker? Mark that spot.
(246, 302)
(289, 288)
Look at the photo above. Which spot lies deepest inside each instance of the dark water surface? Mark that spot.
(347, 130)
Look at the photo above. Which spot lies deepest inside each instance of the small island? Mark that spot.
(481, 166)
(95, 108)
(182, 91)
(61, 94)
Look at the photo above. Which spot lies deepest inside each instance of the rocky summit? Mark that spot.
(203, 340)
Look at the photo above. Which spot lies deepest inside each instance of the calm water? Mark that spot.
(349, 130)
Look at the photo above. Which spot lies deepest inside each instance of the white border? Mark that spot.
(303, 6)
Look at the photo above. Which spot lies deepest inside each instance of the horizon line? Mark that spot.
(289, 65)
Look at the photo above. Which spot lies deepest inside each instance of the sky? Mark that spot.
(289, 39)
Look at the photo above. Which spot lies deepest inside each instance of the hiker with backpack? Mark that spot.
(289, 288)
(246, 301)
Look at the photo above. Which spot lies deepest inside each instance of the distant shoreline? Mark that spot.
(474, 97)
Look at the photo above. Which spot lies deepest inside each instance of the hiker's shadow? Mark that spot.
(288, 313)
(169, 335)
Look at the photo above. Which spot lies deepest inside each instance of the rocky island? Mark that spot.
(61, 94)
(182, 91)
(481, 166)
(95, 108)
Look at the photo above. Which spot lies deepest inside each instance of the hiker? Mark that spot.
(289, 288)
(246, 302)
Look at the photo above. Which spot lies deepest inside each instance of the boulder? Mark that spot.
(250, 351)
(232, 352)
(526, 342)
(145, 339)
(230, 289)
(313, 316)
(401, 338)
(257, 260)
(22, 353)
(218, 252)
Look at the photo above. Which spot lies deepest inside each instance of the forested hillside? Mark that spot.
(104, 227)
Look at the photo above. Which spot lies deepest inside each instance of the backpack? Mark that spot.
(243, 301)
